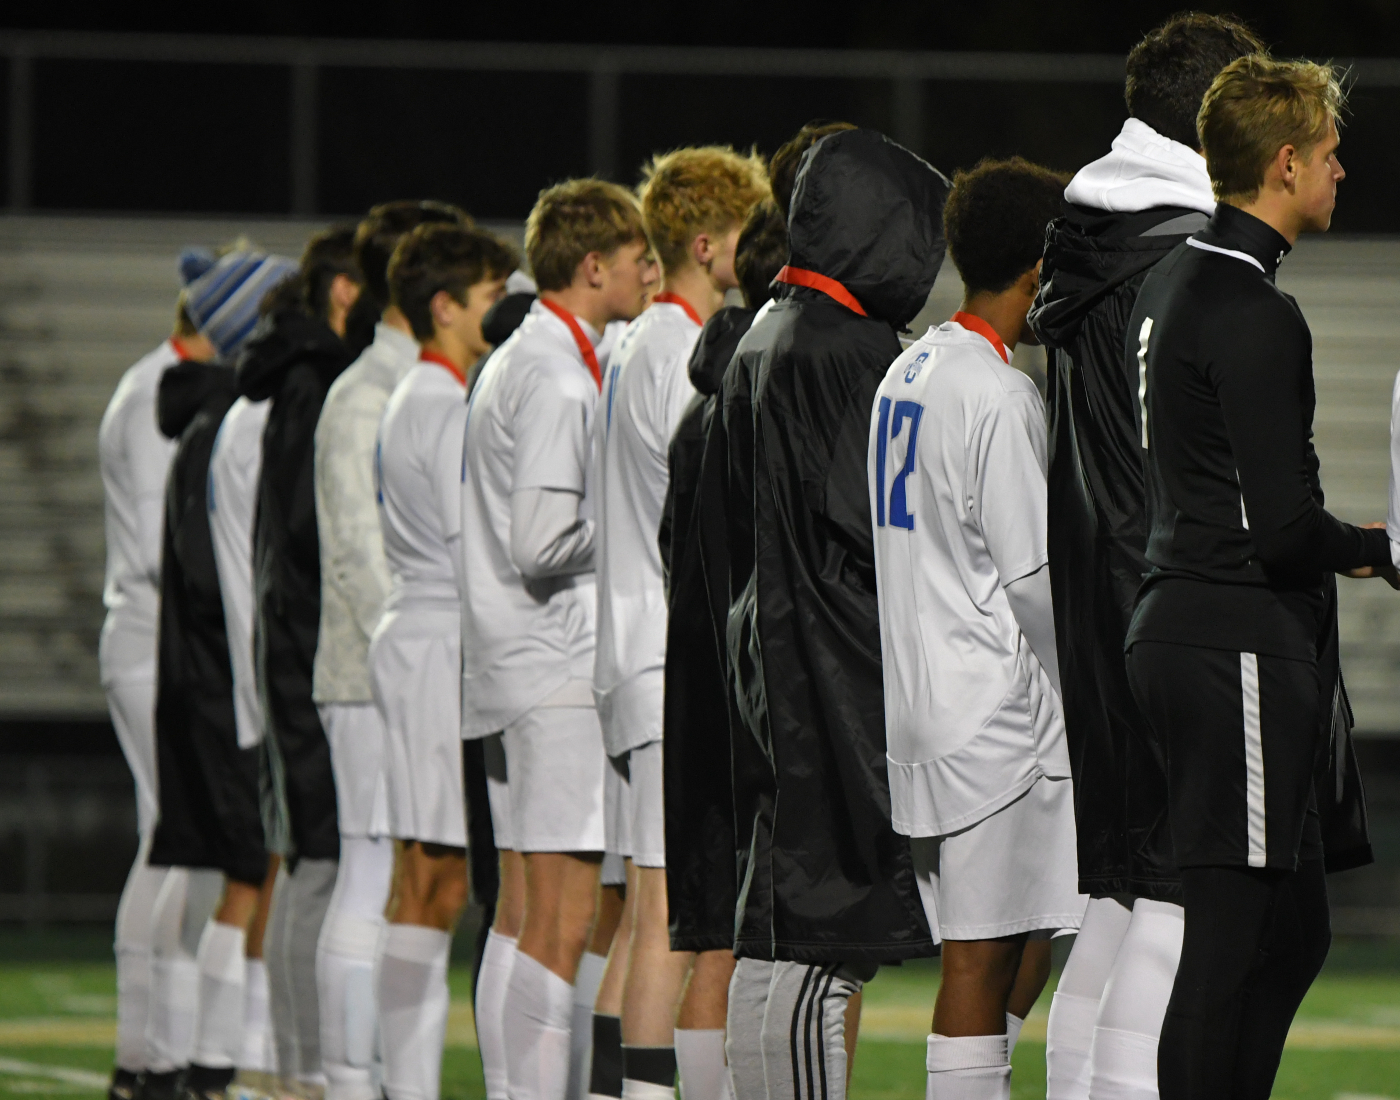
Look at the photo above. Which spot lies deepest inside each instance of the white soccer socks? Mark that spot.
(1124, 1060)
(1075, 1008)
(586, 983)
(258, 1054)
(218, 1038)
(700, 1060)
(174, 996)
(539, 1007)
(133, 951)
(1014, 1024)
(491, 984)
(974, 1067)
(345, 983)
(413, 1002)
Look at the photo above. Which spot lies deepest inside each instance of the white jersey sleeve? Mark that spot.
(233, 487)
(551, 424)
(1006, 486)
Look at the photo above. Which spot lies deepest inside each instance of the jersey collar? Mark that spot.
(979, 326)
(677, 300)
(426, 356)
(1230, 229)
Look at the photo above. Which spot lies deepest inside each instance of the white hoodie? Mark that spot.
(1143, 170)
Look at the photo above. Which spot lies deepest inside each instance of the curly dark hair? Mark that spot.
(1171, 68)
(379, 232)
(761, 252)
(782, 169)
(451, 258)
(995, 220)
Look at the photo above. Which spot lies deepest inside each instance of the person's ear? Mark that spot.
(1029, 283)
(444, 309)
(592, 268)
(703, 250)
(1287, 160)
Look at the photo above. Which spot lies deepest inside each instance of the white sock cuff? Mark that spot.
(502, 942)
(589, 978)
(646, 1090)
(222, 952)
(541, 994)
(1074, 1016)
(256, 974)
(704, 1035)
(1013, 1031)
(354, 937)
(966, 1052)
(418, 944)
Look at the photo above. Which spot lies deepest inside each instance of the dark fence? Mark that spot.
(141, 123)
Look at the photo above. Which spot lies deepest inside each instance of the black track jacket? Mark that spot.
(1095, 263)
(198, 760)
(292, 359)
(1241, 546)
(826, 877)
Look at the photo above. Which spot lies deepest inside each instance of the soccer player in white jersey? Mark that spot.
(354, 584)
(978, 766)
(528, 605)
(442, 279)
(694, 202)
(134, 458)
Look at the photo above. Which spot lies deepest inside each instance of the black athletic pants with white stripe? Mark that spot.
(1241, 733)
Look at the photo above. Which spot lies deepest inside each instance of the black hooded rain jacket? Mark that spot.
(825, 877)
(701, 883)
(208, 785)
(292, 359)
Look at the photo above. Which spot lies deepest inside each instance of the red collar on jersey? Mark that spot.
(426, 356)
(178, 346)
(677, 300)
(585, 346)
(979, 326)
(798, 276)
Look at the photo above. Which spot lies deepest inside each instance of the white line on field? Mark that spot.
(81, 1077)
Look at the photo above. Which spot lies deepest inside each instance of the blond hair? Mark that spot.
(572, 219)
(1255, 107)
(686, 192)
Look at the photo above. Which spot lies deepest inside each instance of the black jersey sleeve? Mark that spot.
(1261, 363)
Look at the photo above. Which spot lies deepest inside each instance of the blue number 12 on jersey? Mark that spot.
(887, 429)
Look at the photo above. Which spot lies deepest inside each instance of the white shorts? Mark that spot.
(356, 737)
(131, 700)
(555, 764)
(415, 669)
(633, 712)
(498, 791)
(636, 809)
(1015, 871)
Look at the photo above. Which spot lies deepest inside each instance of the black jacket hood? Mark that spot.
(715, 348)
(183, 391)
(868, 213)
(283, 340)
(506, 316)
(1090, 253)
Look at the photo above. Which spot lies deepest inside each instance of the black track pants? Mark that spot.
(1255, 939)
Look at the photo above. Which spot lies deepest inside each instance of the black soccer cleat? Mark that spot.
(123, 1086)
(159, 1086)
(206, 1083)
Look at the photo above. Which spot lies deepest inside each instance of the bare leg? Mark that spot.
(655, 974)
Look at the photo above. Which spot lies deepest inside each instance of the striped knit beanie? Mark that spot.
(223, 301)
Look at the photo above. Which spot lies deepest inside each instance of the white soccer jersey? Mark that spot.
(646, 391)
(234, 466)
(528, 427)
(1392, 522)
(419, 467)
(135, 459)
(957, 488)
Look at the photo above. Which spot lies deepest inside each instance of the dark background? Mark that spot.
(144, 137)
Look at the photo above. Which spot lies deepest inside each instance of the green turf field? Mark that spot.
(57, 1002)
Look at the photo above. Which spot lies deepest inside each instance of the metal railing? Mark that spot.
(603, 67)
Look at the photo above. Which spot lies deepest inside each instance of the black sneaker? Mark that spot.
(123, 1086)
(205, 1083)
(159, 1086)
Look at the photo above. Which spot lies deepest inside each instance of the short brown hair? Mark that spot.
(1254, 108)
(450, 258)
(379, 232)
(328, 254)
(572, 219)
(709, 189)
(995, 219)
(1171, 68)
(782, 169)
(761, 252)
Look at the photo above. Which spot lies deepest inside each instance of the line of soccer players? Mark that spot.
(740, 649)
